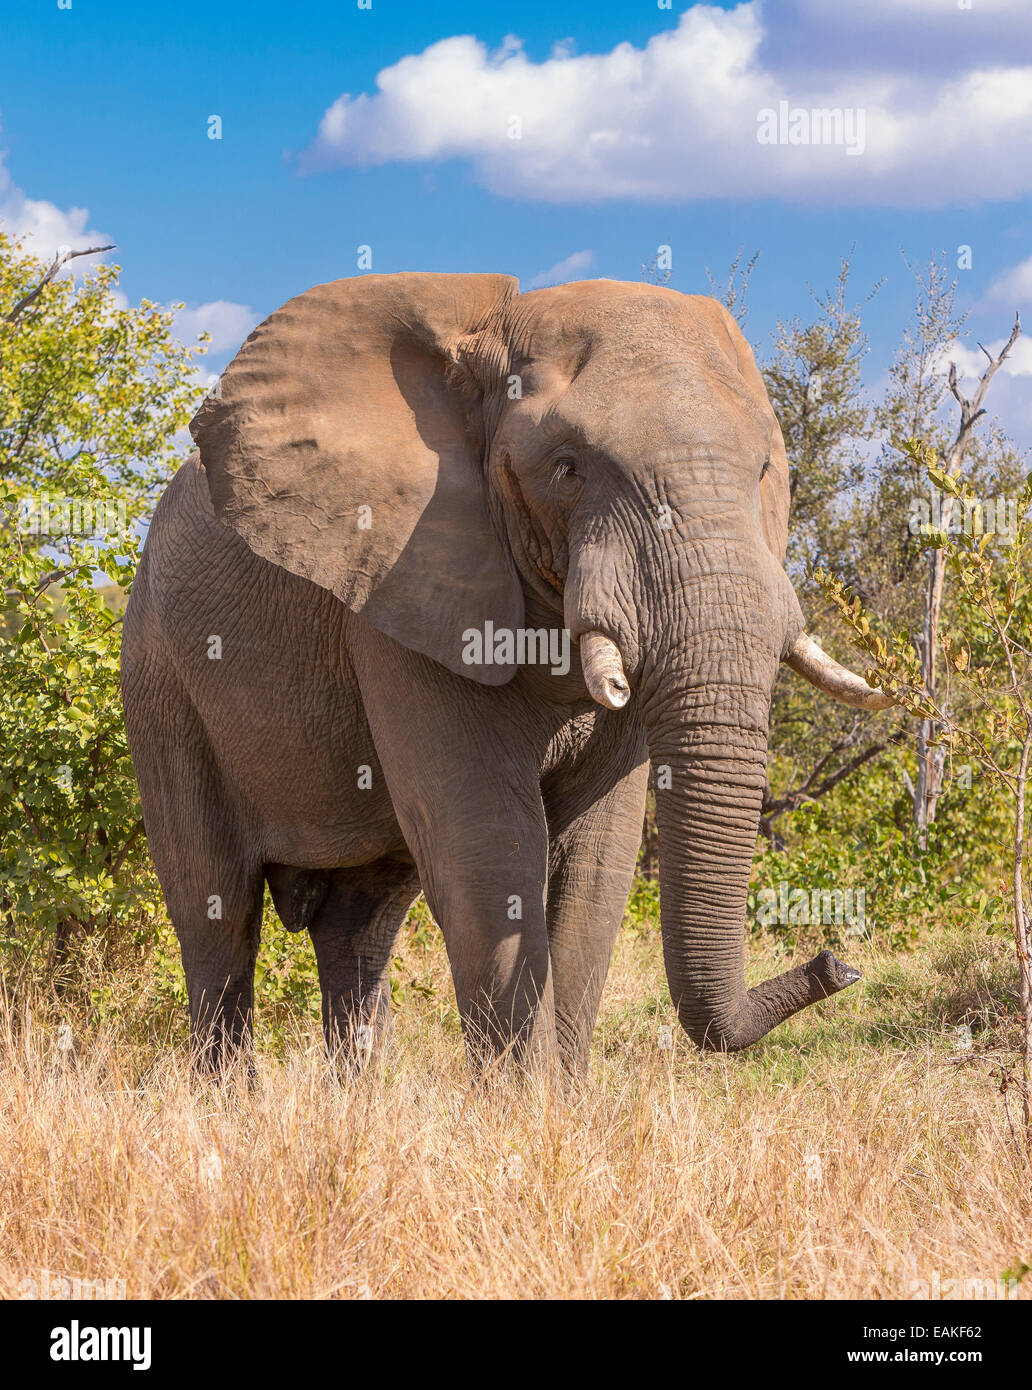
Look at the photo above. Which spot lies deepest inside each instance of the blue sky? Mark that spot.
(637, 127)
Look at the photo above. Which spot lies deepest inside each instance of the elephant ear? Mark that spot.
(338, 446)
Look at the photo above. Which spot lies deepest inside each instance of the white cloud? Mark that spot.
(678, 119)
(44, 226)
(933, 38)
(228, 323)
(1013, 288)
(1010, 401)
(930, 9)
(972, 361)
(868, 13)
(568, 269)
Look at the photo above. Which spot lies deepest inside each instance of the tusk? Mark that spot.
(603, 671)
(815, 665)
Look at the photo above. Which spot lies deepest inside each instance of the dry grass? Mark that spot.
(847, 1155)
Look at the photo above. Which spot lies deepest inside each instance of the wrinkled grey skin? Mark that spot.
(636, 485)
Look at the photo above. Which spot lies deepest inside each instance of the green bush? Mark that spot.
(92, 395)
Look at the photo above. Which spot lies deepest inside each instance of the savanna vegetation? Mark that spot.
(875, 1146)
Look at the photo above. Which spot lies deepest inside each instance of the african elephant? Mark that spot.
(343, 665)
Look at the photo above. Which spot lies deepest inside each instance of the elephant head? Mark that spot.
(441, 452)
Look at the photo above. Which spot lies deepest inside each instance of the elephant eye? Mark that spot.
(564, 468)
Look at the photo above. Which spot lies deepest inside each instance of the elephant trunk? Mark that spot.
(703, 690)
(704, 698)
(708, 807)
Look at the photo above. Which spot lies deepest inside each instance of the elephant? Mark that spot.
(450, 566)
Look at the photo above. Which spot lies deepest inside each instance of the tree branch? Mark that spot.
(971, 410)
(58, 262)
(133, 834)
(808, 792)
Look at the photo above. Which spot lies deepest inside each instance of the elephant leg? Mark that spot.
(466, 793)
(592, 855)
(493, 923)
(353, 932)
(209, 873)
(483, 867)
(219, 953)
